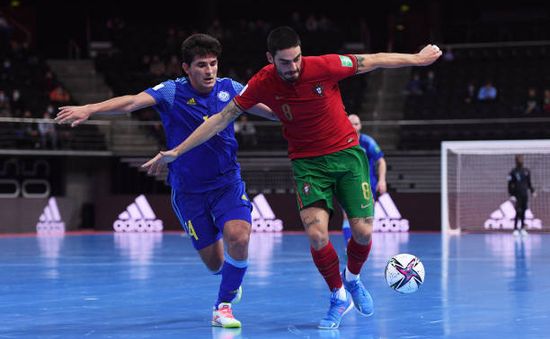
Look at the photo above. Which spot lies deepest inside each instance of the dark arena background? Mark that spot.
(90, 245)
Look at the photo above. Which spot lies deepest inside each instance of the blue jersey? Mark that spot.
(373, 153)
(182, 109)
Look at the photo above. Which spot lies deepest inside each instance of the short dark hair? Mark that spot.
(282, 38)
(200, 45)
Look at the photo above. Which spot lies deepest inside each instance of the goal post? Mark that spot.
(474, 191)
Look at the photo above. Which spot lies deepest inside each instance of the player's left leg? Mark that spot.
(522, 202)
(236, 237)
(231, 210)
(358, 251)
(197, 218)
(354, 194)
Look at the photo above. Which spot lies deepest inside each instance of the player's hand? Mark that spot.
(73, 115)
(428, 55)
(513, 199)
(158, 163)
(381, 187)
(534, 194)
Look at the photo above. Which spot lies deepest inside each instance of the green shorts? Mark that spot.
(344, 174)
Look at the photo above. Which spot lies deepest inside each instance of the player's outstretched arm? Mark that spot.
(74, 115)
(213, 125)
(369, 62)
(263, 111)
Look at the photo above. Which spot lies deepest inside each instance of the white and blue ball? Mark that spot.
(404, 273)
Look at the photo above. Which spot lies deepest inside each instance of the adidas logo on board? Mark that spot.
(387, 217)
(503, 218)
(50, 220)
(263, 218)
(138, 217)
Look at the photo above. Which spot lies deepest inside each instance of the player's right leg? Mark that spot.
(315, 221)
(314, 187)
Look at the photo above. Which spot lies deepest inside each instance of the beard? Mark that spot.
(289, 76)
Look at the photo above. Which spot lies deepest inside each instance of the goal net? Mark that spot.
(474, 185)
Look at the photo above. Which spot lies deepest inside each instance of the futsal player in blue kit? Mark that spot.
(208, 194)
(377, 167)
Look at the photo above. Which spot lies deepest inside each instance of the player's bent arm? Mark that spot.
(369, 62)
(263, 111)
(381, 167)
(212, 126)
(381, 171)
(118, 105)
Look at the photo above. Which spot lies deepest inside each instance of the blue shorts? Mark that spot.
(203, 215)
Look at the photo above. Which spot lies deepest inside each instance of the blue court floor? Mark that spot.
(154, 286)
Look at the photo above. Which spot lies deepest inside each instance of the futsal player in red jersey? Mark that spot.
(323, 146)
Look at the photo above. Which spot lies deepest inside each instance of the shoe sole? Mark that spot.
(366, 315)
(343, 314)
(217, 324)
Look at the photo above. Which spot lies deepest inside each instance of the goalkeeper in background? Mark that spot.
(519, 182)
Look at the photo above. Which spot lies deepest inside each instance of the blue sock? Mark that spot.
(346, 230)
(232, 277)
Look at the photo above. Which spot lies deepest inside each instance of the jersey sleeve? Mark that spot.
(237, 86)
(340, 66)
(249, 96)
(164, 94)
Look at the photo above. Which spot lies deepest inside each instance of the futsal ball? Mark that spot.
(404, 273)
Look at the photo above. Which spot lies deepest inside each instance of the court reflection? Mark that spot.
(140, 249)
(50, 245)
(261, 249)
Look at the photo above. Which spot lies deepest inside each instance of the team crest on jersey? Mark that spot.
(223, 96)
(191, 102)
(307, 188)
(318, 89)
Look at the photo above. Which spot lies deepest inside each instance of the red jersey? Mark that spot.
(311, 108)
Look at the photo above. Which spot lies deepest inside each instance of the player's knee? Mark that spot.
(239, 242)
(362, 230)
(362, 238)
(237, 235)
(318, 240)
